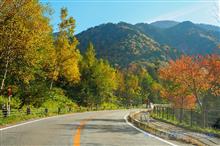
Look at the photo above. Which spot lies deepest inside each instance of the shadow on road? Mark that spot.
(105, 126)
(109, 120)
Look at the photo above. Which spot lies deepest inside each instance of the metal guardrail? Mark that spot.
(151, 128)
(189, 117)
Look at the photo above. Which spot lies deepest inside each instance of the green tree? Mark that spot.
(90, 54)
(105, 80)
(132, 89)
(98, 80)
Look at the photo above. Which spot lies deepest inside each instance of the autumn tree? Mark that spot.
(9, 9)
(194, 76)
(211, 65)
(67, 56)
(25, 41)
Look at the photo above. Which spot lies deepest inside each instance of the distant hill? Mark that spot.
(169, 23)
(187, 37)
(209, 27)
(191, 39)
(124, 43)
(164, 24)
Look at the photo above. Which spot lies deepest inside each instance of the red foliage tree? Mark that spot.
(191, 80)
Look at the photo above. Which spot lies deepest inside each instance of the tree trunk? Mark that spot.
(196, 95)
(5, 75)
(51, 85)
(52, 81)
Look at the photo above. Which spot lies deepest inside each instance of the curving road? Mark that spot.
(102, 128)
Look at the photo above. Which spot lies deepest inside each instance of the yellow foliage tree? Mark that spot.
(66, 56)
(25, 39)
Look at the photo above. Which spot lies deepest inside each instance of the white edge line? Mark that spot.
(158, 138)
(32, 121)
(41, 119)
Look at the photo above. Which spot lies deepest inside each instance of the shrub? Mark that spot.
(57, 99)
(107, 105)
(3, 100)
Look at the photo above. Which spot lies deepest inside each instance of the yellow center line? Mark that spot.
(76, 138)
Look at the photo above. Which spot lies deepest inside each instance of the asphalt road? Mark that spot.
(102, 128)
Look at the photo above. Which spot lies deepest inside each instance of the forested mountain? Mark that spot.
(123, 43)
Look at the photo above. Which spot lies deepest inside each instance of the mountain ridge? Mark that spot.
(123, 43)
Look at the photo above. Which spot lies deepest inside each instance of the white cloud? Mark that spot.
(174, 15)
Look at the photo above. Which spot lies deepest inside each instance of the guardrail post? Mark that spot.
(158, 108)
(167, 113)
(191, 117)
(204, 118)
(28, 111)
(5, 112)
(59, 110)
(46, 110)
(70, 109)
(173, 114)
(181, 115)
(158, 111)
(207, 118)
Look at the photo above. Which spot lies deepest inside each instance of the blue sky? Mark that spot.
(89, 13)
